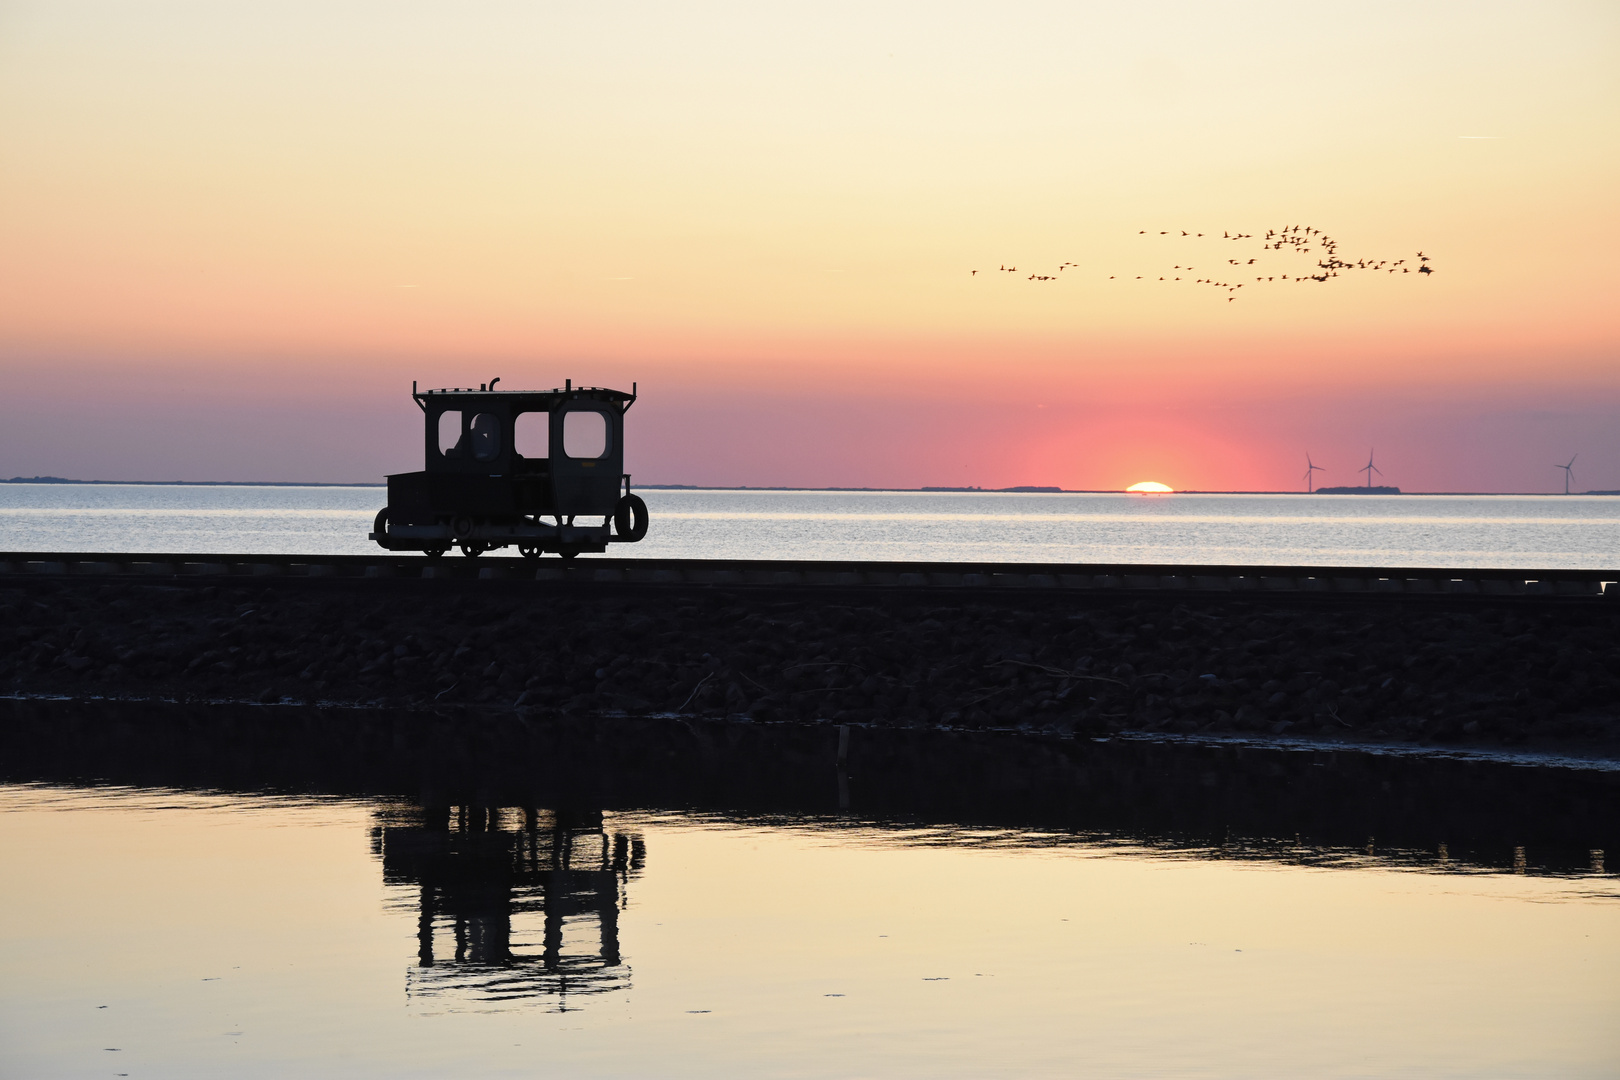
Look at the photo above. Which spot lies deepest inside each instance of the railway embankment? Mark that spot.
(1467, 670)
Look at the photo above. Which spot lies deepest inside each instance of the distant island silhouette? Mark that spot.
(184, 483)
(1359, 489)
(1021, 487)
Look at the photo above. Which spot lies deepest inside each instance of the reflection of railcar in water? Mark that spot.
(529, 905)
(499, 462)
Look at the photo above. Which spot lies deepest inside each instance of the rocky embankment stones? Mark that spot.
(1478, 672)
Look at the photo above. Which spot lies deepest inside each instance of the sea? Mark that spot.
(263, 897)
(1507, 531)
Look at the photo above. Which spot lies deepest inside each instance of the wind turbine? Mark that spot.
(1569, 472)
(1309, 469)
(1370, 469)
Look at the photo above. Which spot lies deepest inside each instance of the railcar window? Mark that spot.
(485, 437)
(531, 436)
(584, 434)
(449, 432)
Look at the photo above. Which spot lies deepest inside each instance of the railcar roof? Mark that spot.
(561, 393)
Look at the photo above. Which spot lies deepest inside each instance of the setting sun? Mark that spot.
(1151, 487)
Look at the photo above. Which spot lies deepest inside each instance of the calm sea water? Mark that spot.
(203, 891)
(1411, 530)
(163, 933)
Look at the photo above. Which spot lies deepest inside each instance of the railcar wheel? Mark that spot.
(630, 519)
(529, 551)
(471, 548)
(435, 552)
(568, 553)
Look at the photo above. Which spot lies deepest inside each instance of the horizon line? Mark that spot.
(1018, 489)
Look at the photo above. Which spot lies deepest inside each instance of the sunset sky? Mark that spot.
(232, 234)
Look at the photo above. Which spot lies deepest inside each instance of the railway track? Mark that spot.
(1056, 577)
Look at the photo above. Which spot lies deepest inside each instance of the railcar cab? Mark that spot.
(499, 463)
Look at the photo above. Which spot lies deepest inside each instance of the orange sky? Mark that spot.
(221, 224)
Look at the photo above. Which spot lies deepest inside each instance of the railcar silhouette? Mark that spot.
(501, 462)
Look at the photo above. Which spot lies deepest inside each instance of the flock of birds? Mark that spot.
(1233, 275)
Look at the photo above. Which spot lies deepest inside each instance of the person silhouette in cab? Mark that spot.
(481, 441)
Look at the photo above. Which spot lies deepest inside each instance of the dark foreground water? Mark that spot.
(274, 892)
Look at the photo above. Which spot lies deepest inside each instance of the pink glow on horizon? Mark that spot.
(357, 426)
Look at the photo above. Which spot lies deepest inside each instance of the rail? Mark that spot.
(1065, 577)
